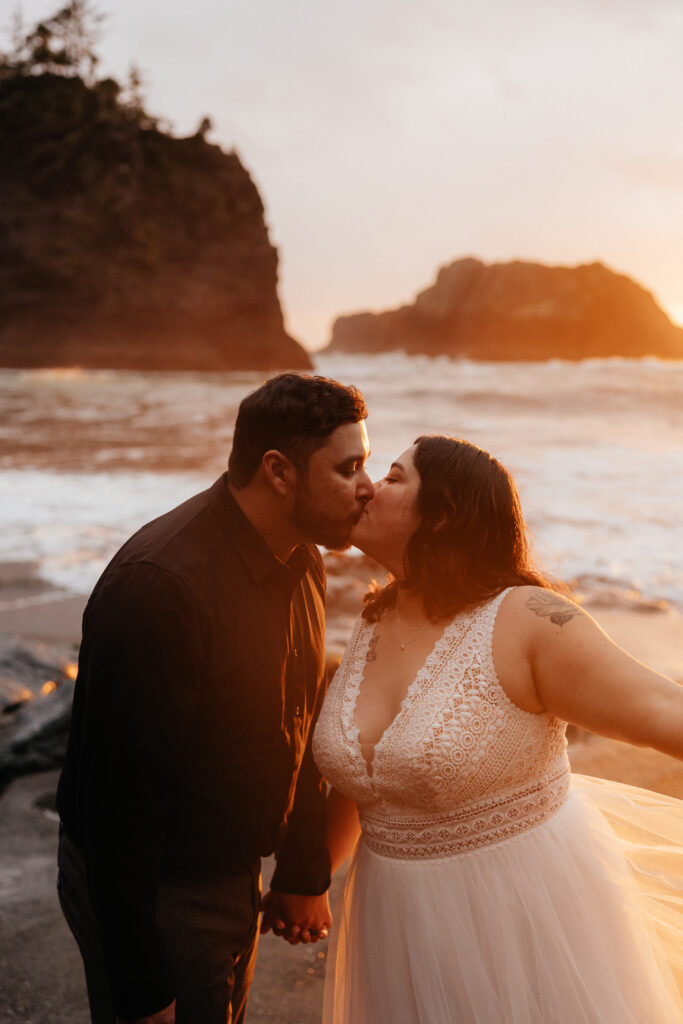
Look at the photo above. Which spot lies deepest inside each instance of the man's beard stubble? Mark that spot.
(317, 528)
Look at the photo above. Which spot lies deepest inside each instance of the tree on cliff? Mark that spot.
(62, 45)
(121, 245)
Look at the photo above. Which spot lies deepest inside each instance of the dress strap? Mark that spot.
(495, 602)
(489, 613)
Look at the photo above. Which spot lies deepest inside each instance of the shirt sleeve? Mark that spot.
(143, 654)
(303, 860)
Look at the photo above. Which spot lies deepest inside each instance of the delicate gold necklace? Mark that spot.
(415, 630)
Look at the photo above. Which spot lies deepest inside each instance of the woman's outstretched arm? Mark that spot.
(343, 827)
(583, 677)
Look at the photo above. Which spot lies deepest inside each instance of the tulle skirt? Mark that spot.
(576, 921)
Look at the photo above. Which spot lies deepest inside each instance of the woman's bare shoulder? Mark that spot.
(531, 615)
(538, 603)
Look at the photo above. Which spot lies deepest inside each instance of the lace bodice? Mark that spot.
(459, 762)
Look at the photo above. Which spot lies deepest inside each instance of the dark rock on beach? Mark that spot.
(36, 692)
(122, 246)
(519, 311)
(39, 735)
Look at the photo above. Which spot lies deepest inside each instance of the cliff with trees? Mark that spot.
(121, 245)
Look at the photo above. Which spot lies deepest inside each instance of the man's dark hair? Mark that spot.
(292, 413)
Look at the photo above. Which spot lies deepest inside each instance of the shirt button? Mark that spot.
(296, 652)
(297, 712)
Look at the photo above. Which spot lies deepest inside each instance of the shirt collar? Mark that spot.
(250, 545)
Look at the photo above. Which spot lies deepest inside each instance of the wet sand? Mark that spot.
(42, 975)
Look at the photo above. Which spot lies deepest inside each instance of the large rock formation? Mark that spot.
(121, 246)
(519, 311)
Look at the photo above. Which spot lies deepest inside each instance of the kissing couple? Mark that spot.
(487, 883)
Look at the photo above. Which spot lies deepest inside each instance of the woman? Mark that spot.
(489, 886)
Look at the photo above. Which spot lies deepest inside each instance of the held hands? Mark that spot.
(296, 918)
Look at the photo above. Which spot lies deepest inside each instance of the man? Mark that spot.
(200, 677)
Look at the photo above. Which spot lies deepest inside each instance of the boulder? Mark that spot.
(36, 693)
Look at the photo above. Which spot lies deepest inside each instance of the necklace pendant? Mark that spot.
(403, 645)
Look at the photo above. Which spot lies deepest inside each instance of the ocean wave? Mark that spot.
(596, 448)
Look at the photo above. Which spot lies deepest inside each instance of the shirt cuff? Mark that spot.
(302, 876)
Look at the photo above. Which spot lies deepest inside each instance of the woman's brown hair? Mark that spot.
(472, 540)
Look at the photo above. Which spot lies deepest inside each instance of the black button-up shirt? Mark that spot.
(200, 676)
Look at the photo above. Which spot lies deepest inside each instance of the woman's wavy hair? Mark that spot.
(472, 539)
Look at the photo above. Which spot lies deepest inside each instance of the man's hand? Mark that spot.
(296, 918)
(165, 1016)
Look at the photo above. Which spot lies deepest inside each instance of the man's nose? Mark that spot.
(366, 488)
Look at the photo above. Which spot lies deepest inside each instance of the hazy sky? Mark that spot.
(390, 137)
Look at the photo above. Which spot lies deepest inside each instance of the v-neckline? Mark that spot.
(358, 676)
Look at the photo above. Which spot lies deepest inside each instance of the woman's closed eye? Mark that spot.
(395, 475)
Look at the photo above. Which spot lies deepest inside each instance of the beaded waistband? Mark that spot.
(471, 827)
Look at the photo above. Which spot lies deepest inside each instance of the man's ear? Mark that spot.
(279, 471)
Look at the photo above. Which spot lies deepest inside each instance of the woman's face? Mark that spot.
(391, 517)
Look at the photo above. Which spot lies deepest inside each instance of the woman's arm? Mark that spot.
(343, 827)
(583, 677)
(296, 917)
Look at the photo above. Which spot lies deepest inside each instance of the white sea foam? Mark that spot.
(596, 448)
(71, 524)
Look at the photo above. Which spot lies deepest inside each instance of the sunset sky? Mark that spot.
(390, 137)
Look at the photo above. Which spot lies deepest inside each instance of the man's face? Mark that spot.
(331, 495)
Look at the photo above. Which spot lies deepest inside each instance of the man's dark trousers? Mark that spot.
(210, 936)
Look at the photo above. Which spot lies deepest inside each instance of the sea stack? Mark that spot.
(519, 311)
(122, 246)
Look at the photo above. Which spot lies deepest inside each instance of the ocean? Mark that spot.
(596, 448)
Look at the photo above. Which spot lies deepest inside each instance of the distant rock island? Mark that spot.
(519, 311)
(120, 245)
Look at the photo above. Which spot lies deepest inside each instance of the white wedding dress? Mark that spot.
(490, 885)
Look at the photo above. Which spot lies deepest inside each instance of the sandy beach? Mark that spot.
(42, 976)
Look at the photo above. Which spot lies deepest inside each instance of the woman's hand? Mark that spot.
(296, 918)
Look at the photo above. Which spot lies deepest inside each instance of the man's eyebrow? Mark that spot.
(350, 459)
